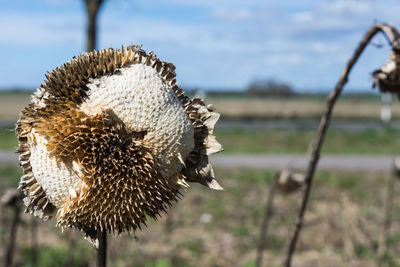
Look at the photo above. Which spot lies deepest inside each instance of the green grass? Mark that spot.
(283, 141)
(8, 141)
(9, 176)
(194, 246)
(298, 141)
(53, 256)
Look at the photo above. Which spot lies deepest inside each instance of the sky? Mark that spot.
(214, 44)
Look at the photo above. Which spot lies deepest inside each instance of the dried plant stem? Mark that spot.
(102, 250)
(267, 218)
(383, 244)
(169, 222)
(92, 8)
(392, 34)
(13, 235)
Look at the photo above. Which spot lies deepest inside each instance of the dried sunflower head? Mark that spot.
(289, 182)
(109, 139)
(387, 78)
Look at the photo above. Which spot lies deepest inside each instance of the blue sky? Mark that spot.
(215, 44)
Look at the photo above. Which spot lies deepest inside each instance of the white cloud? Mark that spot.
(232, 15)
(324, 47)
(305, 16)
(214, 3)
(40, 29)
(349, 6)
(56, 3)
(288, 59)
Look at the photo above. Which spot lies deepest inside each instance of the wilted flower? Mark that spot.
(110, 139)
(288, 182)
(396, 167)
(387, 78)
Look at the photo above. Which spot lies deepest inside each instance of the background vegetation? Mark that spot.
(206, 228)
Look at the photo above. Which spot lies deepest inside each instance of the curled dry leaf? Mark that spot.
(109, 139)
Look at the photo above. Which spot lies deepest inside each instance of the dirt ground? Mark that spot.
(209, 228)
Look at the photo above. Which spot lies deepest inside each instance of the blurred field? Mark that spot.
(350, 107)
(299, 141)
(208, 228)
(298, 108)
(276, 141)
(11, 104)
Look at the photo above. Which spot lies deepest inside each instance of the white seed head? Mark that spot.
(145, 103)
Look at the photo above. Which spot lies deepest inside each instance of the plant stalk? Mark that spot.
(102, 250)
(13, 235)
(393, 35)
(269, 209)
(383, 243)
(92, 8)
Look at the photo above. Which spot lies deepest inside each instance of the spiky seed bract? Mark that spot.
(109, 139)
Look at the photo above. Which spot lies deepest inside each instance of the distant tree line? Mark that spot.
(269, 88)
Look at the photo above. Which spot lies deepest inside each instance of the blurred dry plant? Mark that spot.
(289, 182)
(386, 78)
(387, 220)
(11, 199)
(285, 182)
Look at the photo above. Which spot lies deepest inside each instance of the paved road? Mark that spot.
(305, 124)
(299, 162)
(348, 163)
(7, 157)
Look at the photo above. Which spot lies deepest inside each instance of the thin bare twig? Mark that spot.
(267, 218)
(13, 234)
(393, 35)
(12, 199)
(102, 250)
